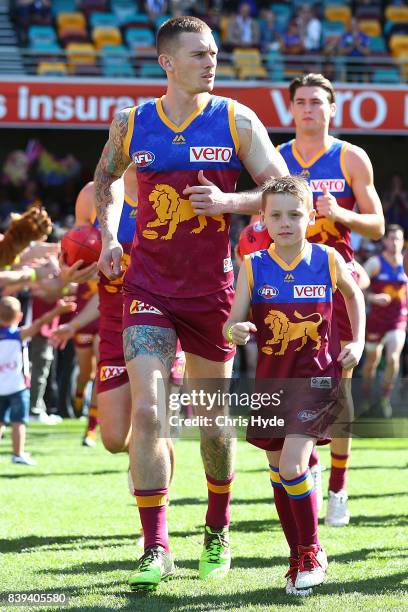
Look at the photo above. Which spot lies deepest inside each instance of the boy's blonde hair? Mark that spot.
(10, 308)
(295, 186)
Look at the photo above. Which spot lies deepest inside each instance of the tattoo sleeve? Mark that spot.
(109, 189)
(150, 340)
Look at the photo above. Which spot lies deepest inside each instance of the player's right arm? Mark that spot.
(64, 332)
(351, 353)
(372, 266)
(236, 329)
(109, 194)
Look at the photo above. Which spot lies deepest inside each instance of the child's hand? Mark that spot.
(351, 355)
(241, 332)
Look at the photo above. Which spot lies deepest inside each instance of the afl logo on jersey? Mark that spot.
(268, 292)
(143, 158)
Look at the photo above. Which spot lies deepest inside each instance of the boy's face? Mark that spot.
(286, 218)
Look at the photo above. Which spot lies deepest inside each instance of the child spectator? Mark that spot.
(14, 392)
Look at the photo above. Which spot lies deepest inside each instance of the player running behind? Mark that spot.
(387, 317)
(341, 178)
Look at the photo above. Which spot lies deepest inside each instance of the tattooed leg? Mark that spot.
(218, 443)
(149, 353)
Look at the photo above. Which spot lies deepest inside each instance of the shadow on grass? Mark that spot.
(186, 501)
(384, 520)
(32, 474)
(31, 543)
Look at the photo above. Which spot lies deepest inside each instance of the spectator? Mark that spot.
(14, 398)
(311, 28)
(355, 44)
(243, 30)
(269, 35)
(292, 43)
(395, 203)
(155, 8)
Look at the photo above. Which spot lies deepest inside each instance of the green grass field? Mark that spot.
(69, 525)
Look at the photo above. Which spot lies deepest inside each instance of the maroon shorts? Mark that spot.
(84, 337)
(112, 371)
(307, 408)
(341, 319)
(197, 321)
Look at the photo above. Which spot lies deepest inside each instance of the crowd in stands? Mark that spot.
(35, 174)
(116, 37)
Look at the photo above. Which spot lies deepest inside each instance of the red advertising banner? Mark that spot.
(91, 103)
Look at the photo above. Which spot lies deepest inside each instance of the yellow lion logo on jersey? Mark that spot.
(284, 331)
(325, 228)
(395, 293)
(171, 210)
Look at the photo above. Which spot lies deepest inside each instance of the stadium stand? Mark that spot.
(34, 39)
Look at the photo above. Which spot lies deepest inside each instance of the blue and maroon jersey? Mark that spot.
(177, 253)
(381, 319)
(327, 168)
(292, 309)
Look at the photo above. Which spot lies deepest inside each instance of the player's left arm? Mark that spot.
(259, 157)
(354, 300)
(369, 221)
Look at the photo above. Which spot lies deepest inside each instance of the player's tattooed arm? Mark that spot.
(109, 189)
(151, 341)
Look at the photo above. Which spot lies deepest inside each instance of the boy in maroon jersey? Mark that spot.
(289, 288)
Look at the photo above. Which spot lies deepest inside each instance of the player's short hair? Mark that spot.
(295, 186)
(9, 308)
(312, 80)
(393, 227)
(171, 29)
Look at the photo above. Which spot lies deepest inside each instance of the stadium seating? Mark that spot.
(103, 19)
(52, 69)
(226, 73)
(102, 35)
(40, 35)
(398, 45)
(338, 13)
(151, 70)
(79, 55)
(137, 37)
(386, 75)
(377, 45)
(63, 6)
(248, 63)
(371, 27)
(70, 20)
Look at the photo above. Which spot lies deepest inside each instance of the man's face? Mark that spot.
(312, 110)
(194, 61)
(394, 242)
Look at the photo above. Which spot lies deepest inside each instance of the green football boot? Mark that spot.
(215, 559)
(155, 566)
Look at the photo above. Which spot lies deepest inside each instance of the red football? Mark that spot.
(254, 237)
(81, 242)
